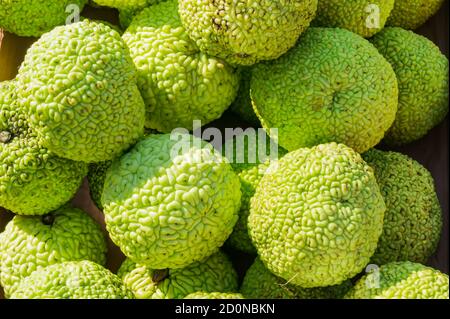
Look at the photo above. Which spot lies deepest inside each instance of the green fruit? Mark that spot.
(126, 14)
(242, 105)
(319, 207)
(31, 243)
(33, 180)
(216, 273)
(413, 217)
(72, 280)
(401, 280)
(170, 201)
(411, 14)
(127, 4)
(332, 87)
(363, 17)
(422, 73)
(115, 27)
(128, 9)
(179, 83)
(32, 18)
(243, 32)
(97, 175)
(96, 178)
(260, 283)
(78, 86)
(214, 295)
(250, 168)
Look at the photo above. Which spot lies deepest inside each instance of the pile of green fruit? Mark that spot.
(329, 216)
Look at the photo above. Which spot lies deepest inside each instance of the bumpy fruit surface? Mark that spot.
(422, 73)
(250, 166)
(30, 18)
(320, 207)
(216, 273)
(72, 280)
(97, 174)
(179, 83)
(242, 105)
(78, 86)
(126, 16)
(127, 4)
(363, 17)
(413, 217)
(214, 295)
(170, 201)
(401, 280)
(260, 283)
(127, 13)
(33, 180)
(30, 243)
(411, 14)
(333, 86)
(245, 33)
(96, 178)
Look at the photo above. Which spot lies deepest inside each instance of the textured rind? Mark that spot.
(411, 14)
(216, 273)
(332, 87)
(30, 18)
(250, 168)
(353, 15)
(33, 180)
(260, 283)
(179, 83)
(319, 207)
(402, 280)
(214, 295)
(96, 178)
(170, 202)
(422, 73)
(97, 174)
(242, 105)
(413, 217)
(245, 33)
(28, 244)
(115, 27)
(126, 4)
(78, 86)
(126, 14)
(72, 280)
